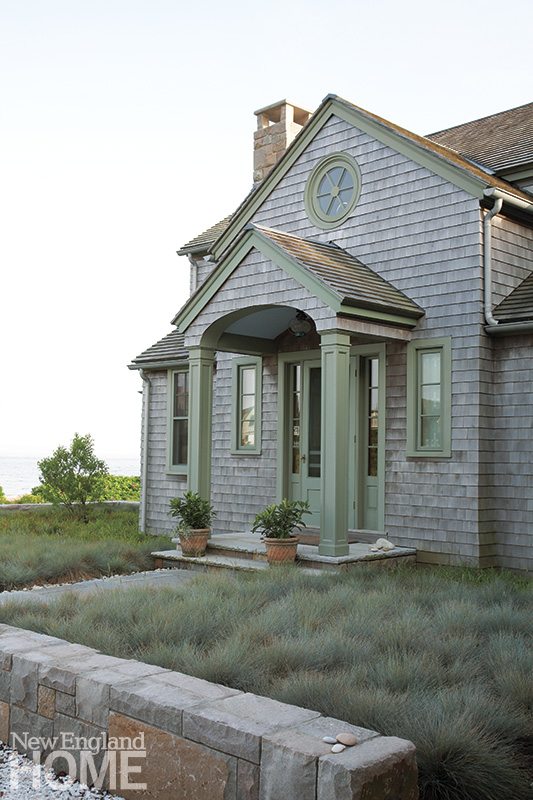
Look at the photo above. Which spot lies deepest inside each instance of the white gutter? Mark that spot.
(194, 274)
(144, 469)
(487, 261)
(509, 198)
(500, 196)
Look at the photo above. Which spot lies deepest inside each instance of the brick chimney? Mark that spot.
(277, 125)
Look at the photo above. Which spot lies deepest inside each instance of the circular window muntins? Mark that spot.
(332, 190)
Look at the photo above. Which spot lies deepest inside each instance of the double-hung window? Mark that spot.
(429, 398)
(246, 406)
(178, 423)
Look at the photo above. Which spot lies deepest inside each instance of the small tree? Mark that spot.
(3, 498)
(73, 476)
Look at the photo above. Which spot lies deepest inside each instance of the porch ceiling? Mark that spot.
(267, 323)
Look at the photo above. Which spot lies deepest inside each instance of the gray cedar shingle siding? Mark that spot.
(511, 499)
(161, 486)
(423, 235)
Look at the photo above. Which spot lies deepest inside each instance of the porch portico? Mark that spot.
(347, 308)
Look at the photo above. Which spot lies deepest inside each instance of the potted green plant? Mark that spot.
(277, 524)
(195, 516)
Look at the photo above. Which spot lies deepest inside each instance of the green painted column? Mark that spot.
(335, 349)
(201, 362)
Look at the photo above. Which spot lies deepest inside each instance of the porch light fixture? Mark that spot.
(300, 325)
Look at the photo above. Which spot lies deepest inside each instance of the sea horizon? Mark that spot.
(19, 474)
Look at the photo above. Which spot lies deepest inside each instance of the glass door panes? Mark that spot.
(314, 428)
(372, 366)
(295, 417)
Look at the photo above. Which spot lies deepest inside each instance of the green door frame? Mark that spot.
(282, 471)
(358, 434)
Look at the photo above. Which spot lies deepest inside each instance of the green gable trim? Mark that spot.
(334, 106)
(291, 266)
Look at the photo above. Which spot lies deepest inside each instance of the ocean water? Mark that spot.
(19, 475)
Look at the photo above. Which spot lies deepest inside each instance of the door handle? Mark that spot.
(302, 458)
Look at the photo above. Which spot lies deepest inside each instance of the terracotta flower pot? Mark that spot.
(194, 543)
(281, 551)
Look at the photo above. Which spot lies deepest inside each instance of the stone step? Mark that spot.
(212, 562)
(239, 553)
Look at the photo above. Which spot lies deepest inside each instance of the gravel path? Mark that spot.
(20, 779)
(158, 578)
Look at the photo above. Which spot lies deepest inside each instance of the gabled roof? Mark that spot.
(202, 242)
(427, 151)
(517, 306)
(168, 350)
(500, 142)
(352, 280)
(337, 278)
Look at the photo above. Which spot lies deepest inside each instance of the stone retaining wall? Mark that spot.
(197, 740)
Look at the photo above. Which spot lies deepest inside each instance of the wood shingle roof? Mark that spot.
(354, 282)
(500, 142)
(517, 306)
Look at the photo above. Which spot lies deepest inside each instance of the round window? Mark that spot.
(332, 190)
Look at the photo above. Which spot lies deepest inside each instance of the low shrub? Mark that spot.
(73, 476)
(122, 487)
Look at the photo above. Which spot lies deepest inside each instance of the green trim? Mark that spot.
(358, 434)
(282, 462)
(417, 152)
(381, 316)
(236, 367)
(201, 361)
(294, 269)
(314, 212)
(161, 366)
(173, 469)
(335, 360)
(414, 348)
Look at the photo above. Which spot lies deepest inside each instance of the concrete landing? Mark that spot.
(246, 551)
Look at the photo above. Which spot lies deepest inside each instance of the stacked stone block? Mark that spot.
(201, 740)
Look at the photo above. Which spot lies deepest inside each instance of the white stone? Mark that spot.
(329, 740)
(384, 544)
(338, 748)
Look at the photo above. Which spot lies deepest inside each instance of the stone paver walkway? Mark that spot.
(157, 579)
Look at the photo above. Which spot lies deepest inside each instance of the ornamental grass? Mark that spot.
(441, 657)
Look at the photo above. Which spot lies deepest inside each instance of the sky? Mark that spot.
(126, 128)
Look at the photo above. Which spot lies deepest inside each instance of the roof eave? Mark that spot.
(163, 364)
(510, 328)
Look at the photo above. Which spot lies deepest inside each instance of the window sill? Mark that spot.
(177, 472)
(428, 454)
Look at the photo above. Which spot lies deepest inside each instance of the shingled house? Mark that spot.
(360, 335)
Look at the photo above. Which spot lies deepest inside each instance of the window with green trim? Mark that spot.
(247, 387)
(178, 420)
(332, 190)
(429, 398)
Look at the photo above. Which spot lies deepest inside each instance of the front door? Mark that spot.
(304, 379)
